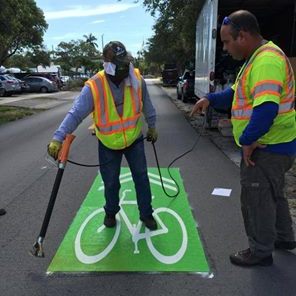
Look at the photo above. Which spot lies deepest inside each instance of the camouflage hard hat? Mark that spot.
(116, 53)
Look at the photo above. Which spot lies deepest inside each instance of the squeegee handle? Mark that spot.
(51, 202)
(63, 156)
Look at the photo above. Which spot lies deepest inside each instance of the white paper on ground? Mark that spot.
(221, 191)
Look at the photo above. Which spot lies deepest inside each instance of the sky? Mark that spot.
(107, 20)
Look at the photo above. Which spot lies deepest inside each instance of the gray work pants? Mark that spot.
(264, 207)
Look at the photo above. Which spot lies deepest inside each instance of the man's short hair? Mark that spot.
(243, 20)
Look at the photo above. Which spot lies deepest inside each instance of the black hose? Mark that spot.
(157, 163)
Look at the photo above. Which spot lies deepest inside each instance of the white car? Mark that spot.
(65, 79)
(9, 84)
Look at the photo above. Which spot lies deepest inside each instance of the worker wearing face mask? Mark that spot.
(117, 96)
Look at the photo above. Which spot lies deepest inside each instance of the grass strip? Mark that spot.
(10, 113)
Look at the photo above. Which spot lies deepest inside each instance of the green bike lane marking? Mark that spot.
(175, 246)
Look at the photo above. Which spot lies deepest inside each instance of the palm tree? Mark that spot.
(90, 39)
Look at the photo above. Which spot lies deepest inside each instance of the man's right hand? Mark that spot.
(54, 148)
(200, 106)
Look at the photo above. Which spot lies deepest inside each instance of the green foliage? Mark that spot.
(18, 60)
(9, 113)
(90, 39)
(75, 84)
(30, 59)
(78, 53)
(174, 39)
(22, 25)
(174, 32)
(39, 56)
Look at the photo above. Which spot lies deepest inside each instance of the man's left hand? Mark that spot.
(248, 151)
(152, 135)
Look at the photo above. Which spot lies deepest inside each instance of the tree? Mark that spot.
(30, 59)
(90, 57)
(39, 56)
(21, 61)
(90, 39)
(78, 53)
(174, 31)
(22, 25)
(66, 53)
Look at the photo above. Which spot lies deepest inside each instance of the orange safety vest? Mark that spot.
(115, 131)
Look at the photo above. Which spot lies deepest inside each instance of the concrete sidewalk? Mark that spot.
(39, 100)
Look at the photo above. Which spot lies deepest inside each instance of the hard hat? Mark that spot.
(116, 53)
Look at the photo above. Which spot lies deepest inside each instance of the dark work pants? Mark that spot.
(135, 156)
(264, 207)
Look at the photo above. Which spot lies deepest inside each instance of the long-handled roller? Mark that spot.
(62, 160)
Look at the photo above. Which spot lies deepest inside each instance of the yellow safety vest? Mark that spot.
(115, 131)
(256, 84)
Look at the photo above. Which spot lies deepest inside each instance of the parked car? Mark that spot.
(170, 77)
(25, 87)
(50, 76)
(18, 87)
(2, 90)
(185, 86)
(9, 84)
(40, 84)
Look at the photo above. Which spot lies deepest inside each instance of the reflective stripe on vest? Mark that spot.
(245, 96)
(265, 87)
(115, 131)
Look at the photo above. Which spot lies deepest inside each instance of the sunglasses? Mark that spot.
(228, 21)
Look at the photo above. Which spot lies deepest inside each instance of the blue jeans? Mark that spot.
(135, 156)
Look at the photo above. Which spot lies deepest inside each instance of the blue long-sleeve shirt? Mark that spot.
(84, 105)
(260, 122)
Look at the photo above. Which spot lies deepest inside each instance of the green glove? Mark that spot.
(152, 135)
(54, 148)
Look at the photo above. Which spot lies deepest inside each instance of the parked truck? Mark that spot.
(170, 75)
(215, 69)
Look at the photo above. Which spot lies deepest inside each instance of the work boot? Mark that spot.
(149, 222)
(285, 245)
(109, 220)
(247, 258)
(2, 212)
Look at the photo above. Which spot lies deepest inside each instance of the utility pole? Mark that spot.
(102, 38)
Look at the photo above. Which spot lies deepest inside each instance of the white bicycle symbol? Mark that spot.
(134, 230)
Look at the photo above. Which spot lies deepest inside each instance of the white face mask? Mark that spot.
(109, 68)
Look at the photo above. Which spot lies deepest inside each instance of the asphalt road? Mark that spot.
(26, 180)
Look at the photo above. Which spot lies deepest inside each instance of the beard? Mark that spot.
(121, 74)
